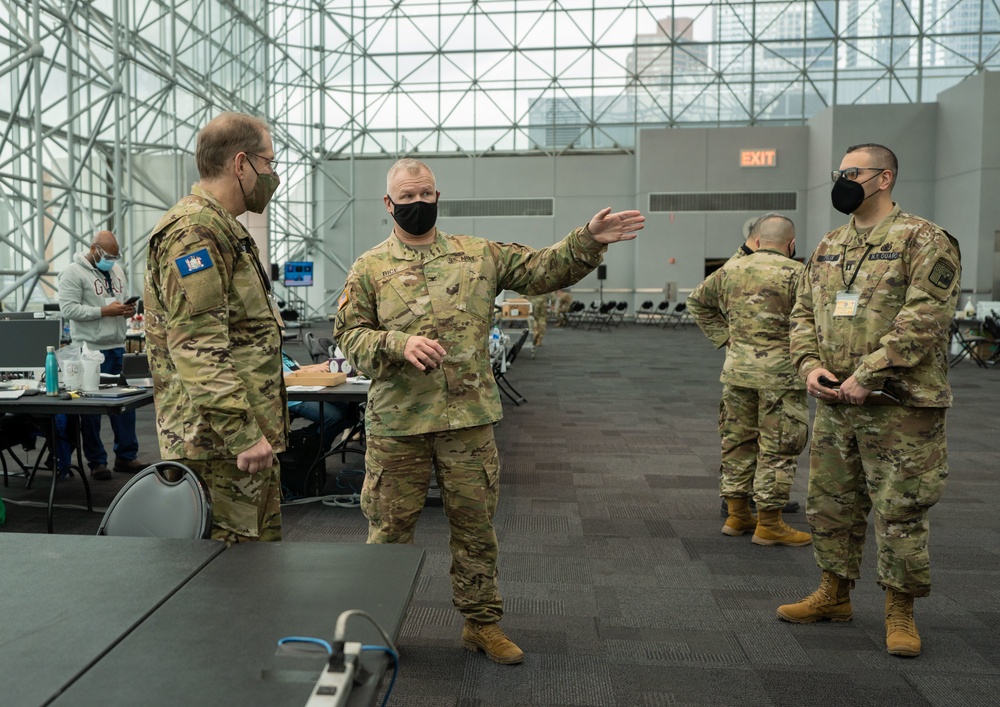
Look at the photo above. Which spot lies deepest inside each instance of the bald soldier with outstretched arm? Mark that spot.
(415, 317)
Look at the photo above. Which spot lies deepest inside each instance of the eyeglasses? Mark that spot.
(852, 172)
(104, 254)
(272, 163)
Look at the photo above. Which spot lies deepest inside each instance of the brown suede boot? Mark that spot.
(772, 530)
(901, 637)
(491, 640)
(832, 601)
(739, 520)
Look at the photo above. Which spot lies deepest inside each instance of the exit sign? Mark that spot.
(758, 158)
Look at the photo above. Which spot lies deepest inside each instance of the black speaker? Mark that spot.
(275, 272)
(602, 272)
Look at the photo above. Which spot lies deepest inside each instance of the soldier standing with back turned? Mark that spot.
(872, 319)
(764, 413)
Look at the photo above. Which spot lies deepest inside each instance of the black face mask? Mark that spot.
(416, 218)
(848, 196)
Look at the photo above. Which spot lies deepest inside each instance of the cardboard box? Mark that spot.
(328, 380)
(516, 309)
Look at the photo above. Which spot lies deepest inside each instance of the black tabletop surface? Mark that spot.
(64, 599)
(215, 641)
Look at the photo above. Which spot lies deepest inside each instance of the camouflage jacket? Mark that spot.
(212, 335)
(907, 274)
(749, 300)
(445, 293)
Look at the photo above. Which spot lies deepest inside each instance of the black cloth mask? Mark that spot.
(416, 218)
(848, 196)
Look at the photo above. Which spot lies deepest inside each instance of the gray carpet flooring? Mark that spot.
(618, 583)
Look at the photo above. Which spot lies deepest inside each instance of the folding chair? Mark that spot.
(317, 348)
(618, 315)
(500, 374)
(165, 500)
(602, 318)
(677, 317)
(644, 313)
(660, 313)
(967, 346)
(991, 326)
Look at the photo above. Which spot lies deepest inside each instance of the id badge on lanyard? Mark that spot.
(847, 304)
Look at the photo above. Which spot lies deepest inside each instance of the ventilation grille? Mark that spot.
(725, 201)
(479, 208)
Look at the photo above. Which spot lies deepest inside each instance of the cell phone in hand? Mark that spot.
(132, 300)
(827, 383)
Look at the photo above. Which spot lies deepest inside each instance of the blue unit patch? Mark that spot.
(194, 262)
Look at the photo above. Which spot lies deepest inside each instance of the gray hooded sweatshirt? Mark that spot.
(83, 290)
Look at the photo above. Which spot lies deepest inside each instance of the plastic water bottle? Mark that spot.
(494, 339)
(51, 372)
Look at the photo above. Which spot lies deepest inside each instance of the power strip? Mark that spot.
(334, 686)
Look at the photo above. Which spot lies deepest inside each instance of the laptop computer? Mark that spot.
(113, 392)
(135, 371)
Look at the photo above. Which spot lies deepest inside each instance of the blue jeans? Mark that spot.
(126, 442)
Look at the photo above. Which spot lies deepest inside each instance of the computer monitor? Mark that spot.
(298, 273)
(21, 316)
(23, 342)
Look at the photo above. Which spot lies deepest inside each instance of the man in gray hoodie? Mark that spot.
(91, 290)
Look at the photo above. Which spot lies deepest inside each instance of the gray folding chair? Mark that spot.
(165, 500)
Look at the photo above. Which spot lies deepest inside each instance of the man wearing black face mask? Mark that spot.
(415, 316)
(870, 332)
(212, 333)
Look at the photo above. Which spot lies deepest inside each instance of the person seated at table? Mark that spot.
(333, 415)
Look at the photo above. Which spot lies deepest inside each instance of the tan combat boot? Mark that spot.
(772, 530)
(832, 601)
(901, 637)
(491, 639)
(740, 520)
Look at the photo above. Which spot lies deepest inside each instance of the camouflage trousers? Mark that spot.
(245, 507)
(397, 476)
(541, 324)
(892, 459)
(763, 432)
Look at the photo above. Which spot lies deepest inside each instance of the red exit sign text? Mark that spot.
(758, 158)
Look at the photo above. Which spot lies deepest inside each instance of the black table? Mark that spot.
(343, 393)
(66, 599)
(214, 642)
(46, 406)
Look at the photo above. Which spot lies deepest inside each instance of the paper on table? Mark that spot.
(11, 394)
(304, 388)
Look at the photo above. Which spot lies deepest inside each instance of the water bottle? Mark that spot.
(51, 372)
(494, 339)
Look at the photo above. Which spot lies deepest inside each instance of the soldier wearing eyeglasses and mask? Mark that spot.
(212, 332)
(870, 333)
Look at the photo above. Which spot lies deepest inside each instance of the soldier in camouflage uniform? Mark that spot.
(415, 317)
(212, 333)
(564, 300)
(872, 320)
(540, 313)
(764, 413)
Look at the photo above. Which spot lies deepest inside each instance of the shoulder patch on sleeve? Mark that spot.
(194, 262)
(343, 299)
(942, 274)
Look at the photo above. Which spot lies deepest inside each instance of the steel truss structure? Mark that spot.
(100, 100)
